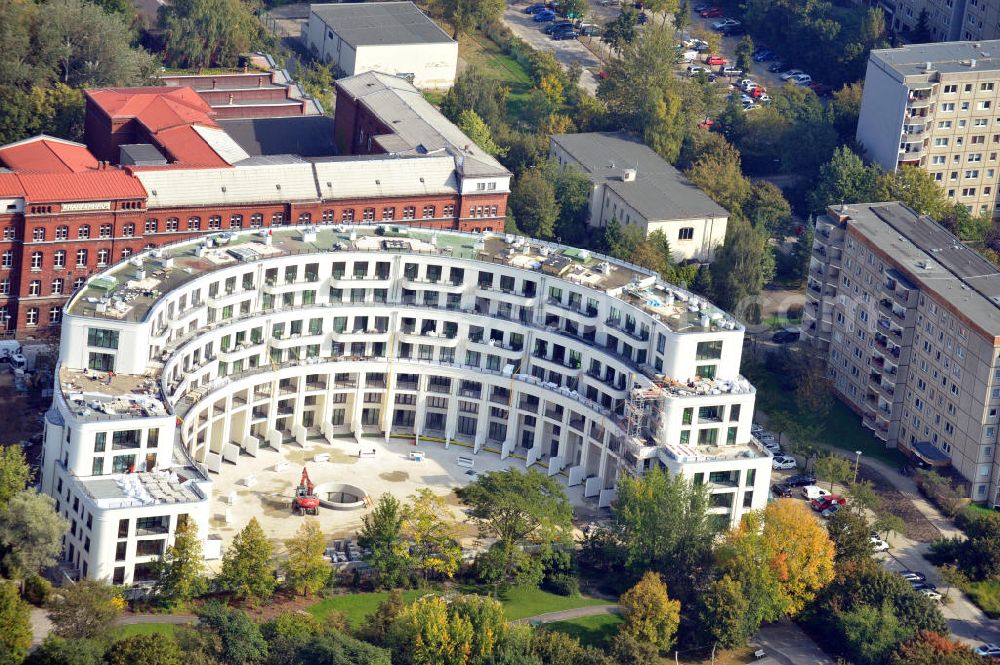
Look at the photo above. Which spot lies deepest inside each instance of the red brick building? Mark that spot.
(166, 163)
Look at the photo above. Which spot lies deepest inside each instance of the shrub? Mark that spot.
(37, 589)
(563, 585)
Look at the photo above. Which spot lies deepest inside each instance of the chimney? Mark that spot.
(628, 175)
(972, 63)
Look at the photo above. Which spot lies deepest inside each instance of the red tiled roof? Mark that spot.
(187, 146)
(156, 106)
(46, 154)
(97, 185)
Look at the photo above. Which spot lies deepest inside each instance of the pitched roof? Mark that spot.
(96, 185)
(47, 154)
(659, 191)
(157, 107)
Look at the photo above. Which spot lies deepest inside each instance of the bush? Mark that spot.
(940, 491)
(37, 590)
(563, 585)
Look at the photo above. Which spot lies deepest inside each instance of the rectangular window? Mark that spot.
(105, 339)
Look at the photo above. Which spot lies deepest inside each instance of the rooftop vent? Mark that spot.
(628, 175)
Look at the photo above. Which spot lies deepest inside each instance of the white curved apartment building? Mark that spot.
(182, 360)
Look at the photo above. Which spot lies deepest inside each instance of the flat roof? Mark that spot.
(306, 136)
(932, 258)
(659, 191)
(944, 57)
(140, 489)
(378, 23)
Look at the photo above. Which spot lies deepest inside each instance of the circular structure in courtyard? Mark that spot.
(340, 496)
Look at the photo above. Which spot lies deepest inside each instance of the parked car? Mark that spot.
(825, 502)
(801, 79)
(643, 17)
(724, 23)
(694, 70)
(776, 67)
(879, 545)
(733, 31)
(924, 584)
(821, 89)
(764, 99)
(544, 15)
(990, 649)
(801, 480)
(930, 593)
(782, 490)
(814, 492)
(912, 576)
(701, 7)
(787, 336)
(610, 3)
(763, 55)
(790, 73)
(715, 59)
(782, 462)
(831, 511)
(758, 92)
(590, 30)
(711, 12)
(772, 446)
(559, 35)
(731, 71)
(557, 25)
(535, 8)
(695, 44)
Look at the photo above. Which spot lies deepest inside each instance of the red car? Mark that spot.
(716, 60)
(711, 12)
(825, 502)
(757, 91)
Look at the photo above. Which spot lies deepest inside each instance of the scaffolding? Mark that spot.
(642, 421)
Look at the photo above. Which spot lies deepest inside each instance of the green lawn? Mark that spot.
(518, 603)
(130, 630)
(595, 631)
(840, 428)
(477, 49)
(986, 595)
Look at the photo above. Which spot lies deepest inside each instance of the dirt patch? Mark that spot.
(394, 476)
(916, 526)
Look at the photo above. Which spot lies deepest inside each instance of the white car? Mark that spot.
(790, 73)
(764, 99)
(814, 492)
(694, 70)
(987, 650)
(746, 85)
(801, 79)
(934, 595)
(724, 23)
(782, 462)
(879, 545)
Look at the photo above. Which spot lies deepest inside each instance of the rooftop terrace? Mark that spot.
(144, 488)
(128, 290)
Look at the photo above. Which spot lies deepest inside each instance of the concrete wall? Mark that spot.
(883, 106)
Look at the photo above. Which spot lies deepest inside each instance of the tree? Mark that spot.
(834, 468)
(533, 203)
(930, 648)
(626, 650)
(378, 624)
(572, 191)
(741, 267)
(181, 569)
(427, 524)
(619, 33)
(381, 535)
(871, 632)
(844, 179)
(517, 508)
(724, 612)
(31, 533)
(477, 92)
(248, 565)
(240, 638)
(464, 15)
(15, 625)
(917, 188)
(921, 33)
(146, 649)
(783, 557)
(660, 524)
(336, 647)
(650, 615)
(722, 180)
(15, 474)
(801, 255)
(208, 33)
(286, 633)
(85, 609)
(851, 535)
(305, 570)
(426, 633)
(744, 54)
(767, 209)
(56, 650)
(812, 392)
(477, 130)
(844, 109)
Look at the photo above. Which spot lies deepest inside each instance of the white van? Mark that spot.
(814, 492)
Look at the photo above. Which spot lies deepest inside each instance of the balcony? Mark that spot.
(631, 331)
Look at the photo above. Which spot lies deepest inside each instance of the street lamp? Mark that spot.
(857, 463)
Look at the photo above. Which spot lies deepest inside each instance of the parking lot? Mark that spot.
(568, 52)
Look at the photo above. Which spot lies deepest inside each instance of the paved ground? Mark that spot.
(566, 615)
(568, 51)
(785, 643)
(967, 622)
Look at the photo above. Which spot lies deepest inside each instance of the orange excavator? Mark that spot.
(305, 502)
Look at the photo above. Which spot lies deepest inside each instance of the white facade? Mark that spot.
(487, 341)
(429, 66)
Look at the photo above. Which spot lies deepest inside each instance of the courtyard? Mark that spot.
(263, 486)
